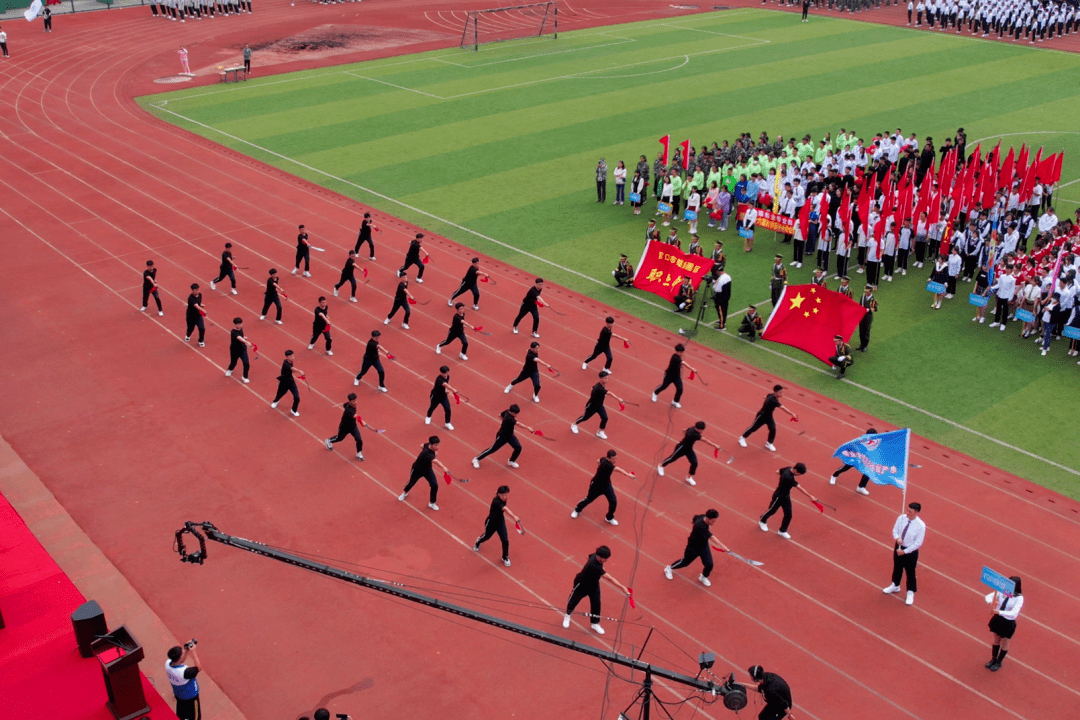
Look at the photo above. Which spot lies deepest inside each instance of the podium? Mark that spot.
(119, 654)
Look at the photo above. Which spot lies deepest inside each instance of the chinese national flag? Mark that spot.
(807, 317)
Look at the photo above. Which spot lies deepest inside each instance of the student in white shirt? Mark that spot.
(748, 221)
(888, 252)
(1005, 287)
(955, 264)
(908, 533)
(1048, 221)
(1003, 622)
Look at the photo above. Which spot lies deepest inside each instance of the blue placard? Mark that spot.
(935, 287)
(1025, 315)
(689, 215)
(978, 300)
(1073, 333)
(663, 207)
(747, 233)
(635, 197)
(996, 580)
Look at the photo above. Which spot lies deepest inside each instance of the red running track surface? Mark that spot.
(136, 432)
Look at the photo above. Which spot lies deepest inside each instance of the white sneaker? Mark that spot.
(862, 491)
(601, 434)
(352, 299)
(660, 469)
(691, 481)
(433, 506)
(234, 291)
(784, 535)
(832, 480)
(279, 322)
(770, 447)
(463, 356)
(329, 445)
(228, 373)
(162, 314)
(202, 344)
(213, 285)
(891, 589)
(1044, 351)
(335, 292)
(246, 381)
(295, 270)
(536, 398)
(448, 426)
(654, 397)
(402, 496)
(573, 513)
(427, 421)
(404, 326)
(295, 413)
(910, 598)
(566, 621)
(273, 404)
(329, 352)
(976, 319)
(536, 335)
(475, 463)
(386, 321)
(667, 573)
(359, 456)
(438, 350)
(311, 346)
(355, 381)
(742, 441)
(516, 332)
(507, 389)
(307, 274)
(382, 389)
(188, 339)
(993, 324)
(675, 404)
(449, 303)
(704, 581)
(573, 429)
(420, 280)
(506, 562)
(1002, 328)
(612, 521)
(476, 546)
(584, 366)
(597, 629)
(792, 264)
(512, 464)
(763, 526)
(475, 307)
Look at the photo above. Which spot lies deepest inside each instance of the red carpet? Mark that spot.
(41, 672)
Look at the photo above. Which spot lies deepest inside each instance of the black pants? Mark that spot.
(805, 9)
(402, 305)
(862, 482)
(969, 265)
(841, 265)
(675, 380)
(720, 302)
(445, 402)
(490, 528)
(468, 287)
(196, 322)
(408, 264)
(304, 254)
(902, 563)
(242, 356)
(189, 709)
(226, 272)
(433, 484)
(512, 441)
(887, 262)
(690, 554)
(861, 254)
(590, 411)
(950, 285)
(153, 8)
(247, 62)
(841, 365)
(578, 594)
(288, 385)
(597, 491)
(601, 190)
(360, 240)
(316, 331)
(873, 268)
(367, 365)
(343, 433)
(775, 288)
(773, 712)
(351, 279)
(760, 422)
(902, 258)
(622, 278)
(146, 292)
(1001, 311)
(682, 450)
(534, 376)
(797, 249)
(597, 349)
(864, 330)
(456, 335)
(823, 259)
(271, 300)
(779, 502)
(525, 310)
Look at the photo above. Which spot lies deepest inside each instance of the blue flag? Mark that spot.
(882, 457)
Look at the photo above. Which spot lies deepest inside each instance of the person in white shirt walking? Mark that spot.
(1003, 622)
(3, 43)
(908, 533)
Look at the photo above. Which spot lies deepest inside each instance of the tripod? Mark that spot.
(703, 305)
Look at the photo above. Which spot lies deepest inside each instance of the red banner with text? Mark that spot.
(770, 221)
(663, 267)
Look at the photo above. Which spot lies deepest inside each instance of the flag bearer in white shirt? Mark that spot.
(908, 533)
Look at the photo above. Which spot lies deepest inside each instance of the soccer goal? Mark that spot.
(510, 23)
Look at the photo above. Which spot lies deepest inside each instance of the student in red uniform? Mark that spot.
(496, 523)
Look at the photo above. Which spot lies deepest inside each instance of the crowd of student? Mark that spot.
(196, 9)
(1030, 20)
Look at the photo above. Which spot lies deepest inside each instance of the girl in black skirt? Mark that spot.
(1003, 623)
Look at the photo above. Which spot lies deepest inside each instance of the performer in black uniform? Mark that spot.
(587, 585)
(765, 417)
(530, 371)
(595, 406)
(457, 332)
(505, 436)
(778, 280)
(439, 397)
(320, 325)
(227, 269)
(365, 236)
(303, 252)
(781, 499)
(529, 307)
(468, 284)
(271, 295)
(775, 691)
(372, 360)
(697, 546)
(287, 383)
(496, 523)
(673, 376)
(194, 315)
(349, 425)
(603, 345)
(149, 287)
(422, 467)
(863, 482)
(238, 346)
(412, 257)
(624, 273)
(685, 448)
(869, 302)
(402, 296)
(841, 359)
(600, 486)
(348, 275)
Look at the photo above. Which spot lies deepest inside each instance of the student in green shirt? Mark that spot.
(805, 149)
(819, 154)
(730, 181)
(676, 191)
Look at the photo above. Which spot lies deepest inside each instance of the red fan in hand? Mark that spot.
(457, 399)
(411, 301)
(621, 407)
(716, 453)
(447, 478)
(626, 344)
(794, 418)
(691, 374)
(426, 260)
(630, 594)
(390, 357)
(819, 506)
(517, 526)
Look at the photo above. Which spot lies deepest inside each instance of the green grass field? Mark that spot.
(496, 149)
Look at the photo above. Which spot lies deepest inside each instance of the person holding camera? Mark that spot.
(776, 693)
(182, 677)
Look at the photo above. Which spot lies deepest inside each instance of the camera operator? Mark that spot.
(182, 678)
(774, 689)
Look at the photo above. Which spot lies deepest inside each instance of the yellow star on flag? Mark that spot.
(817, 300)
(807, 314)
(815, 311)
(796, 301)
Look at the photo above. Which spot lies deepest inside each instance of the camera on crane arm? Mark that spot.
(733, 693)
(197, 557)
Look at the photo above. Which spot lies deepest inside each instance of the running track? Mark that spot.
(135, 432)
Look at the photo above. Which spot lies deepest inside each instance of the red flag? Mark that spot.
(863, 205)
(1046, 169)
(1005, 177)
(934, 212)
(807, 317)
(923, 205)
(685, 145)
(804, 218)
(988, 185)
(666, 142)
(663, 266)
(1055, 175)
(1021, 161)
(845, 211)
(1029, 177)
